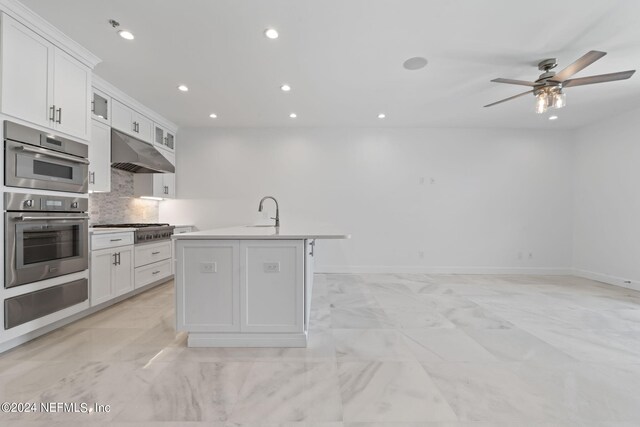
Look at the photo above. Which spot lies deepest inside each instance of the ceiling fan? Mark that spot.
(548, 89)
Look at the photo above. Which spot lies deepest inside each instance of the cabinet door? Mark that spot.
(169, 141)
(123, 272)
(158, 138)
(272, 286)
(144, 127)
(101, 265)
(208, 297)
(122, 117)
(100, 158)
(169, 185)
(309, 261)
(71, 95)
(26, 79)
(101, 107)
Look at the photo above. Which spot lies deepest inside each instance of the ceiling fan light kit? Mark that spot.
(548, 88)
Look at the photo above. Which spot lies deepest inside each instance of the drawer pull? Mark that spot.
(155, 253)
(156, 272)
(115, 240)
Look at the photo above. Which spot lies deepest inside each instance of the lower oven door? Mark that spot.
(39, 246)
(27, 166)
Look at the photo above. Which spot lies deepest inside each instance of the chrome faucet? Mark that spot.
(277, 218)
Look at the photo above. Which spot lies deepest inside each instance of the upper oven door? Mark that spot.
(44, 245)
(28, 166)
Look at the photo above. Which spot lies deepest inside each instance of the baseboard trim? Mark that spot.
(608, 279)
(360, 269)
(220, 339)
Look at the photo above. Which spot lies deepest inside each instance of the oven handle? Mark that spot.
(48, 218)
(49, 153)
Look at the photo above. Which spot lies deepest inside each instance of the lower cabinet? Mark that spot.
(111, 273)
(153, 261)
(253, 286)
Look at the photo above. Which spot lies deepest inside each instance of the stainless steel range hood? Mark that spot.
(133, 155)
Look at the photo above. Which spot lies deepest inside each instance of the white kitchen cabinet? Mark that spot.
(100, 158)
(111, 273)
(272, 286)
(164, 138)
(149, 253)
(101, 107)
(211, 301)
(41, 83)
(131, 122)
(161, 185)
(309, 269)
(27, 83)
(71, 95)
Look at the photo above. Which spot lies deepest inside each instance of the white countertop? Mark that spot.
(103, 230)
(284, 232)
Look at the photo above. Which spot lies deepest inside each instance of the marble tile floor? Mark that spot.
(397, 350)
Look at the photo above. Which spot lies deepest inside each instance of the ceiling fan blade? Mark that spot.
(582, 63)
(514, 82)
(509, 99)
(601, 78)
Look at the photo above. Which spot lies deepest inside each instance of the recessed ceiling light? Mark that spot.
(213, 115)
(382, 115)
(553, 117)
(127, 35)
(183, 88)
(293, 115)
(285, 88)
(415, 63)
(271, 33)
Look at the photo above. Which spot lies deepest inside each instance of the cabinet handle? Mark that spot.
(92, 177)
(115, 259)
(155, 253)
(166, 190)
(93, 107)
(115, 240)
(52, 112)
(156, 272)
(59, 115)
(313, 246)
(118, 258)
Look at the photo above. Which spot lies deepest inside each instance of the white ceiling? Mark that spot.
(343, 58)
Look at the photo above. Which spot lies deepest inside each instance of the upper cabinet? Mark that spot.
(164, 138)
(131, 122)
(101, 107)
(42, 84)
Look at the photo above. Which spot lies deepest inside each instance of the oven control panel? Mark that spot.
(39, 203)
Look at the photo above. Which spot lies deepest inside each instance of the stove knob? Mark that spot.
(28, 203)
(74, 205)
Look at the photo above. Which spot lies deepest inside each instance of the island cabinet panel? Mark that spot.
(272, 286)
(209, 298)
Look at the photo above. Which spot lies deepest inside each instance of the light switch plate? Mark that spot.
(208, 267)
(272, 267)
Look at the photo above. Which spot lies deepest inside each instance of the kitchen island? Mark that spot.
(247, 286)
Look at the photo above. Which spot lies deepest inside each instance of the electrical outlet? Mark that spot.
(208, 267)
(271, 267)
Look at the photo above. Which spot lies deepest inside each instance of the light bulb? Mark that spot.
(541, 103)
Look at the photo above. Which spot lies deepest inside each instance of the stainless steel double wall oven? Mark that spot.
(46, 235)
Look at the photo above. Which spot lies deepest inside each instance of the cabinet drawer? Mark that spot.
(146, 254)
(111, 240)
(181, 230)
(152, 272)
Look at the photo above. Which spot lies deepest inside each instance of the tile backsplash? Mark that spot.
(120, 206)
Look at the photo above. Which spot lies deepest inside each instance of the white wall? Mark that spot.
(495, 194)
(607, 201)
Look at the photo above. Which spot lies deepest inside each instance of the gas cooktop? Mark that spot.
(145, 232)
